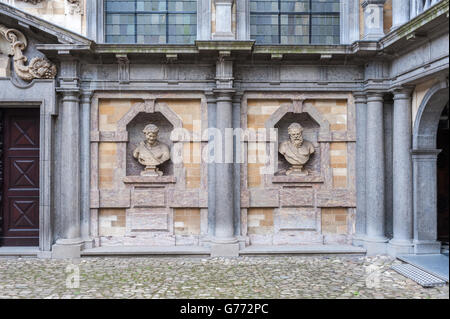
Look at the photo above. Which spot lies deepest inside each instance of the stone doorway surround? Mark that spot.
(38, 94)
(424, 156)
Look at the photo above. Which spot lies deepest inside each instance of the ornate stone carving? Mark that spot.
(39, 68)
(151, 152)
(296, 150)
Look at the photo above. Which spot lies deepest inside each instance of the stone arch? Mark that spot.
(424, 156)
(427, 118)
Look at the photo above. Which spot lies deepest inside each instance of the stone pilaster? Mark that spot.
(425, 202)
(224, 20)
(400, 13)
(373, 19)
(211, 100)
(69, 245)
(225, 242)
(375, 240)
(85, 165)
(401, 243)
(361, 117)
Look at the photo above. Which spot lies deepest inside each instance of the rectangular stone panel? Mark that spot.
(149, 197)
(264, 198)
(336, 198)
(141, 220)
(296, 219)
(115, 198)
(183, 198)
(296, 197)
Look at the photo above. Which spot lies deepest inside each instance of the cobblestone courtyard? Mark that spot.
(256, 277)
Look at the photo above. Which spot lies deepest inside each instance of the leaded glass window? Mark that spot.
(151, 21)
(295, 21)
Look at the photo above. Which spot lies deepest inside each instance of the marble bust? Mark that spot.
(296, 150)
(151, 152)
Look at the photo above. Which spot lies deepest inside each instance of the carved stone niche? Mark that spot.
(135, 136)
(314, 126)
(310, 132)
(132, 124)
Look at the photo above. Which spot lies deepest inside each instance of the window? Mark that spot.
(151, 21)
(295, 22)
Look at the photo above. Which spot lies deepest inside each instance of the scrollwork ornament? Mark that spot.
(38, 68)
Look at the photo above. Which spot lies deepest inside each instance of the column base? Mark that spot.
(67, 248)
(400, 247)
(427, 247)
(225, 250)
(88, 243)
(375, 246)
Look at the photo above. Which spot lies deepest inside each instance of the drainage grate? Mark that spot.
(421, 277)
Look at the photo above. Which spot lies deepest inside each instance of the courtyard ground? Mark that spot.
(244, 277)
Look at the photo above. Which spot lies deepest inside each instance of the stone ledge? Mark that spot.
(149, 179)
(301, 250)
(140, 250)
(19, 251)
(297, 179)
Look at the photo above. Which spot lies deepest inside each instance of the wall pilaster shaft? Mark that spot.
(224, 225)
(361, 120)
(375, 224)
(402, 169)
(70, 166)
(85, 161)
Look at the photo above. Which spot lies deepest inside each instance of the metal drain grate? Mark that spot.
(418, 275)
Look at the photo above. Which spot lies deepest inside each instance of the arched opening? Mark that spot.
(443, 176)
(428, 159)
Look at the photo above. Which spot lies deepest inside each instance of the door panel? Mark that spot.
(20, 177)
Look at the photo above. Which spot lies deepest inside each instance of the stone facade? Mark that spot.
(368, 106)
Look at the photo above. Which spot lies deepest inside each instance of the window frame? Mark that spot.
(166, 13)
(309, 14)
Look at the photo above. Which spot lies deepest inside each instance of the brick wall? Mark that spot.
(187, 221)
(111, 222)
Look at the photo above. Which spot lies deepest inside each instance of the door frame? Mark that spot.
(39, 94)
(17, 238)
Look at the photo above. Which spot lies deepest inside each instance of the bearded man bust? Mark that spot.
(296, 150)
(151, 152)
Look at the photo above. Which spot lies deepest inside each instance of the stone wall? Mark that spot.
(130, 209)
(318, 208)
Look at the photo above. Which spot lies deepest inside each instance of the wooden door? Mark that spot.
(20, 185)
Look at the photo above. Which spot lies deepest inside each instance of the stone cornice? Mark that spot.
(438, 10)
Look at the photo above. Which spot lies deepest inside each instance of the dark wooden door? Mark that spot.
(20, 187)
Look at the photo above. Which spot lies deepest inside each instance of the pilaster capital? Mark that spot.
(375, 96)
(86, 96)
(360, 97)
(402, 92)
(224, 95)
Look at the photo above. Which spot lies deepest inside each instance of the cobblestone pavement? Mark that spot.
(245, 277)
